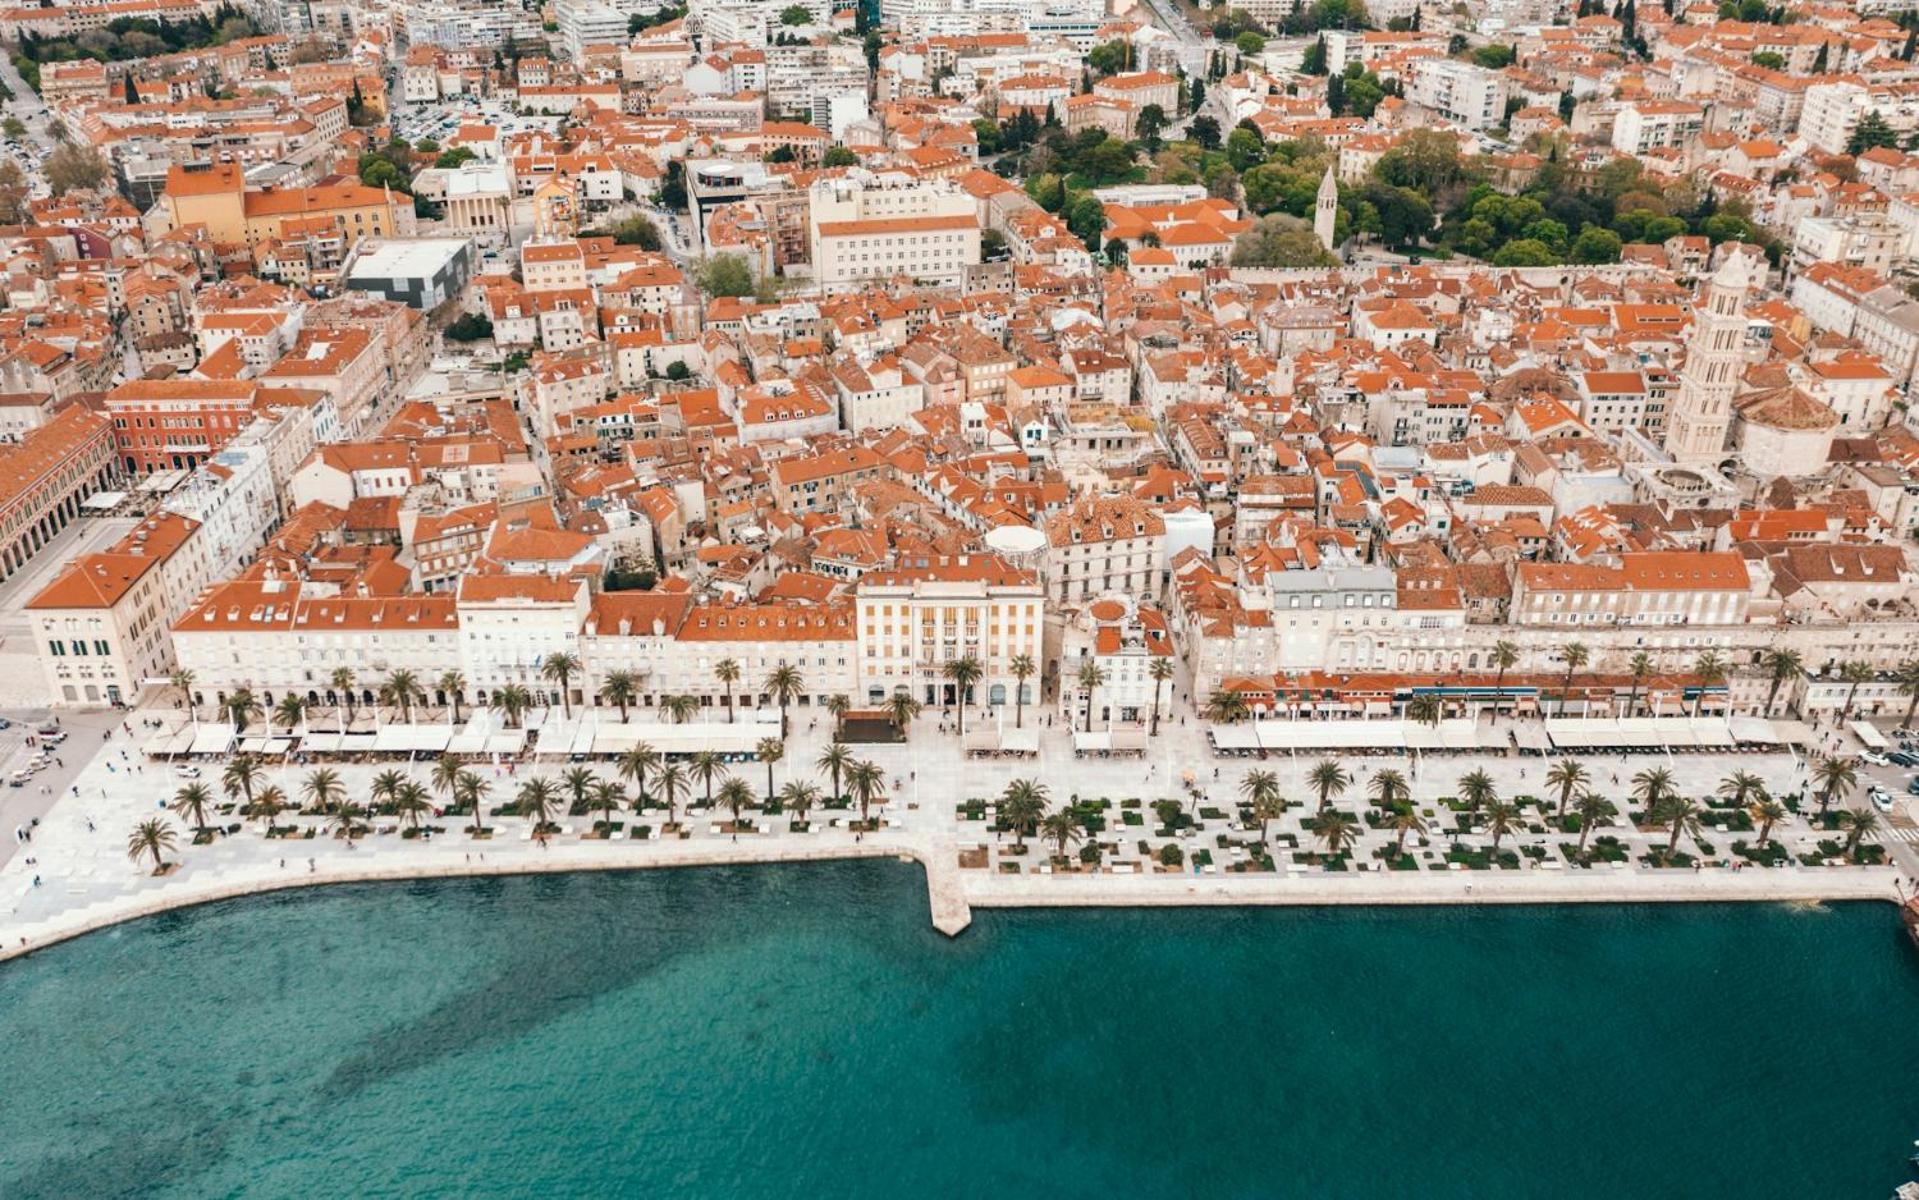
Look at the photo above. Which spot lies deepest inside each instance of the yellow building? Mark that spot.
(216, 196)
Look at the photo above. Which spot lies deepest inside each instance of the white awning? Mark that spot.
(1234, 737)
(1095, 739)
(211, 739)
(412, 739)
(1339, 735)
(1020, 741)
(320, 743)
(509, 742)
(466, 743)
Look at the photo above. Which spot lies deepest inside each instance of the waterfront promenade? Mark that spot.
(85, 880)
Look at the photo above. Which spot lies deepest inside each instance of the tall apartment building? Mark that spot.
(1655, 124)
(864, 226)
(1465, 94)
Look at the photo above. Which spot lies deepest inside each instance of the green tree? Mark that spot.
(638, 230)
(1330, 780)
(1871, 133)
(74, 167)
(725, 275)
(1245, 149)
(1476, 788)
(1278, 240)
(1524, 252)
(450, 160)
(151, 837)
(1249, 43)
(1203, 131)
(1595, 244)
(470, 327)
(1021, 806)
(1313, 62)
(839, 156)
(796, 14)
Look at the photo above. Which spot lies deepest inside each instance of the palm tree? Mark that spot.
(1908, 677)
(1477, 789)
(769, 751)
(289, 711)
(401, 689)
(242, 708)
(607, 796)
(1681, 816)
(1021, 806)
(183, 679)
(680, 708)
(867, 782)
(1859, 824)
(579, 782)
(670, 780)
(270, 803)
(1337, 831)
(634, 765)
(1711, 670)
(341, 822)
(471, 788)
(446, 775)
(385, 789)
(1767, 812)
(511, 702)
(1836, 778)
(1091, 679)
(453, 684)
(1781, 665)
(1023, 670)
(1641, 668)
(903, 710)
(1062, 827)
(341, 681)
(836, 758)
(1505, 657)
(798, 796)
(1329, 779)
(1261, 789)
(1854, 673)
(1741, 787)
(707, 765)
(728, 673)
(1568, 775)
(1502, 818)
(1576, 657)
(1161, 671)
(1226, 708)
(536, 799)
(560, 667)
(323, 788)
(1592, 809)
(964, 672)
(154, 837)
(619, 687)
(735, 794)
(785, 685)
(1390, 790)
(1425, 709)
(412, 802)
(1651, 787)
(191, 802)
(837, 706)
(1405, 820)
(241, 774)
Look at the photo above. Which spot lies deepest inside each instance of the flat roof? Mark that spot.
(405, 258)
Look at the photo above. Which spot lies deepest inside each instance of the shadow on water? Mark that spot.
(595, 935)
(178, 1141)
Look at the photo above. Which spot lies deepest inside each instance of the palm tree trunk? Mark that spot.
(1019, 704)
(1399, 844)
(1565, 691)
(1912, 707)
(1585, 831)
(1155, 731)
(1765, 831)
(1499, 692)
(730, 710)
(1772, 696)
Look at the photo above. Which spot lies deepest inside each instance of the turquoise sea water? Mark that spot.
(802, 1031)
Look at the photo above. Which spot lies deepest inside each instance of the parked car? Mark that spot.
(1881, 799)
(186, 772)
(1901, 758)
(1875, 758)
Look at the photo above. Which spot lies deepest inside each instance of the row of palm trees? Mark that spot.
(403, 689)
(1654, 788)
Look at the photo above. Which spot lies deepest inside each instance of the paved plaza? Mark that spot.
(74, 873)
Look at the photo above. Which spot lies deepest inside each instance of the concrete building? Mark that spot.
(421, 273)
